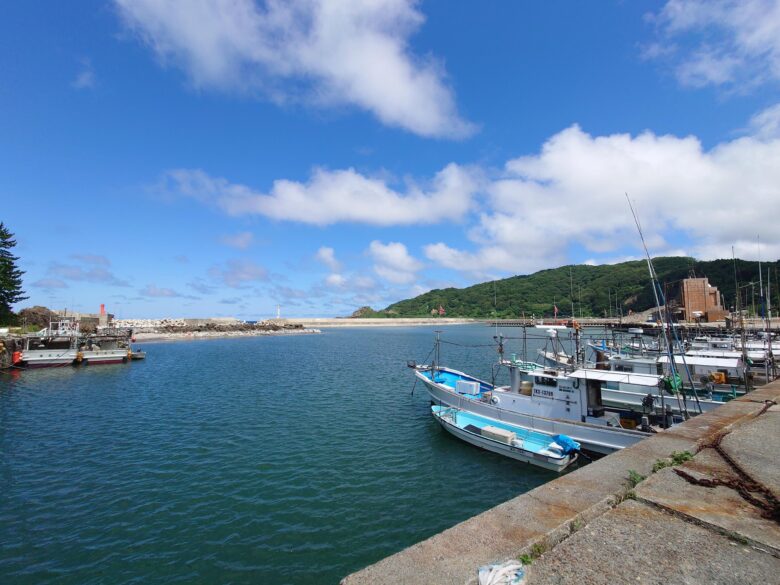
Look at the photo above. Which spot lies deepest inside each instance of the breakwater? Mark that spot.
(631, 516)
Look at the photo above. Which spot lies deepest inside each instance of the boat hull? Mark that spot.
(103, 357)
(594, 438)
(47, 358)
(506, 450)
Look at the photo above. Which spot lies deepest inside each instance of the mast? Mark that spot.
(667, 321)
(771, 353)
(742, 337)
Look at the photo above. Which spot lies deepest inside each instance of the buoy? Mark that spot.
(16, 357)
(79, 356)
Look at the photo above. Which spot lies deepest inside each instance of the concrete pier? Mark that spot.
(710, 520)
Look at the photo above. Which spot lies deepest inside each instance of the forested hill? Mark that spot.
(621, 287)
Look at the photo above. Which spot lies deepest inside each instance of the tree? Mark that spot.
(10, 276)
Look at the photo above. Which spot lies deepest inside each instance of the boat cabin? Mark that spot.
(554, 394)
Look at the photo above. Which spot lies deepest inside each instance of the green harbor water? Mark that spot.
(290, 459)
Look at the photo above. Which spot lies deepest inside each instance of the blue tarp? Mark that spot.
(569, 445)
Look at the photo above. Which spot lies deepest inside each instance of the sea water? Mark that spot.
(289, 459)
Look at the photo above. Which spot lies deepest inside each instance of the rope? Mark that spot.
(466, 344)
(425, 362)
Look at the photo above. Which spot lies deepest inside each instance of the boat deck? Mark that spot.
(450, 379)
(532, 441)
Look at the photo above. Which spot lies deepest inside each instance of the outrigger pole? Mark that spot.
(667, 322)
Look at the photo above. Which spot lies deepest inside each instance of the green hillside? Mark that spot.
(598, 290)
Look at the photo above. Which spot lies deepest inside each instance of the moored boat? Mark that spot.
(63, 344)
(553, 452)
(550, 404)
(55, 346)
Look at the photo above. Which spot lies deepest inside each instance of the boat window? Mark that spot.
(544, 381)
(622, 368)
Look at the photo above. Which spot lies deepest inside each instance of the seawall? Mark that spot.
(712, 519)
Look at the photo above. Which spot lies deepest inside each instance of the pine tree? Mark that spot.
(10, 276)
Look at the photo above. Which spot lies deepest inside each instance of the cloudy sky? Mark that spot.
(220, 157)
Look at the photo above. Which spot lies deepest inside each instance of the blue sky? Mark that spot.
(211, 158)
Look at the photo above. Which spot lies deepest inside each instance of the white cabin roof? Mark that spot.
(695, 360)
(716, 353)
(620, 377)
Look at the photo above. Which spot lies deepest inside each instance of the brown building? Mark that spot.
(700, 300)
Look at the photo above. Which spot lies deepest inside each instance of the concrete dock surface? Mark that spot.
(712, 519)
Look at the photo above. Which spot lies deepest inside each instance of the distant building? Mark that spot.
(699, 300)
(88, 320)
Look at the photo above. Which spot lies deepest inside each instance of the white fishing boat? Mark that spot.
(55, 346)
(552, 403)
(63, 344)
(106, 349)
(553, 452)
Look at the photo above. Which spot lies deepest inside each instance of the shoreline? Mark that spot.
(205, 335)
(389, 322)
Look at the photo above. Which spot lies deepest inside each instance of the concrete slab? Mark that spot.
(720, 507)
(770, 391)
(754, 448)
(704, 428)
(635, 543)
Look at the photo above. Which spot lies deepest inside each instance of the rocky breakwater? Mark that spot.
(186, 329)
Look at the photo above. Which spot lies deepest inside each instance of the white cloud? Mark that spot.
(363, 283)
(393, 262)
(571, 194)
(238, 273)
(766, 124)
(328, 52)
(721, 42)
(335, 280)
(155, 291)
(337, 196)
(241, 240)
(327, 256)
(97, 272)
(480, 264)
